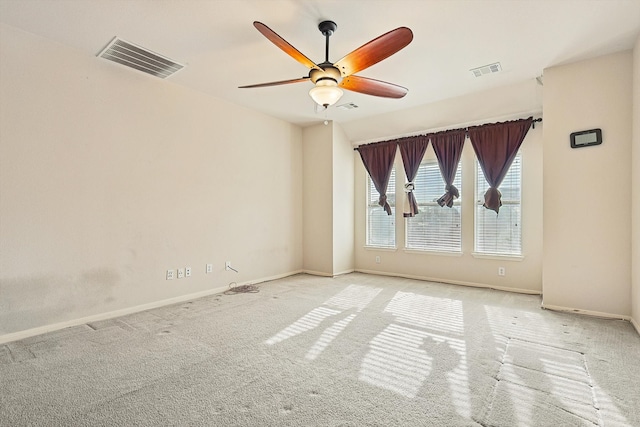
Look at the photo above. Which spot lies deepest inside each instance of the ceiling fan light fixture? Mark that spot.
(326, 92)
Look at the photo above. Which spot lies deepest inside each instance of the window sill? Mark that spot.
(381, 248)
(498, 256)
(432, 252)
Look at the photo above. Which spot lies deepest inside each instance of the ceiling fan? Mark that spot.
(329, 77)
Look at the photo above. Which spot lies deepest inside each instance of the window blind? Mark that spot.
(500, 234)
(434, 228)
(381, 228)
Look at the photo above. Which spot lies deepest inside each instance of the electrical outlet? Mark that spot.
(181, 273)
(501, 271)
(170, 275)
(187, 272)
(209, 268)
(377, 260)
(227, 265)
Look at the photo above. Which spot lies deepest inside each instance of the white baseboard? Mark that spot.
(585, 312)
(317, 273)
(340, 273)
(635, 325)
(452, 282)
(15, 336)
(275, 277)
(323, 274)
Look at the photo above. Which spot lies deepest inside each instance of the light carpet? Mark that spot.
(355, 350)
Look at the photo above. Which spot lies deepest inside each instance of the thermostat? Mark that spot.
(586, 137)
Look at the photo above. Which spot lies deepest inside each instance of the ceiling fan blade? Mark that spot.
(374, 51)
(373, 87)
(282, 82)
(284, 45)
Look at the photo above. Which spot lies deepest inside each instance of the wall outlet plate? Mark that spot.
(170, 274)
(187, 271)
(181, 273)
(209, 268)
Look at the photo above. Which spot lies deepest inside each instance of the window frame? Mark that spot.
(480, 179)
(373, 204)
(432, 163)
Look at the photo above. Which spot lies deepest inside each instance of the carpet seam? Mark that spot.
(596, 404)
(488, 407)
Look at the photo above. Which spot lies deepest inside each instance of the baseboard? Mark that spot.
(340, 273)
(585, 312)
(275, 277)
(323, 274)
(635, 325)
(15, 336)
(452, 282)
(317, 273)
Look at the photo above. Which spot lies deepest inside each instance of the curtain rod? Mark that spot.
(465, 128)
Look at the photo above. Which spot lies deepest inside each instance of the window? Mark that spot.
(434, 228)
(500, 234)
(381, 228)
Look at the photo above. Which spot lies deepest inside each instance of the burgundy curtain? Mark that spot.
(412, 150)
(378, 160)
(496, 145)
(448, 147)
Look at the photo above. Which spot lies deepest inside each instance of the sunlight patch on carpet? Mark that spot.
(306, 323)
(426, 338)
(441, 314)
(327, 336)
(353, 298)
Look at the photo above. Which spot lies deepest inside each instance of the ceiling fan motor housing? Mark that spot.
(328, 72)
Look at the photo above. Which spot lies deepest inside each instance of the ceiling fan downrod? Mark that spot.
(326, 79)
(327, 28)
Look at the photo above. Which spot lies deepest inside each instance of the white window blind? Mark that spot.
(500, 234)
(434, 228)
(381, 228)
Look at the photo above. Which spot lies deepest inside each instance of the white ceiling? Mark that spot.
(222, 49)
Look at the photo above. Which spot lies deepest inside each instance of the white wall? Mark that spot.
(635, 187)
(587, 192)
(318, 199)
(328, 200)
(521, 275)
(109, 177)
(343, 202)
(515, 100)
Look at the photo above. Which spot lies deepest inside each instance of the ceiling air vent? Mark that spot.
(141, 59)
(347, 106)
(486, 69)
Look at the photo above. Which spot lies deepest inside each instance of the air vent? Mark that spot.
(486, 69)
(347, 106)
(141, 59)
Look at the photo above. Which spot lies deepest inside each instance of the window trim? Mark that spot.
(381, 248)
(483, 255)
(433, 252)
